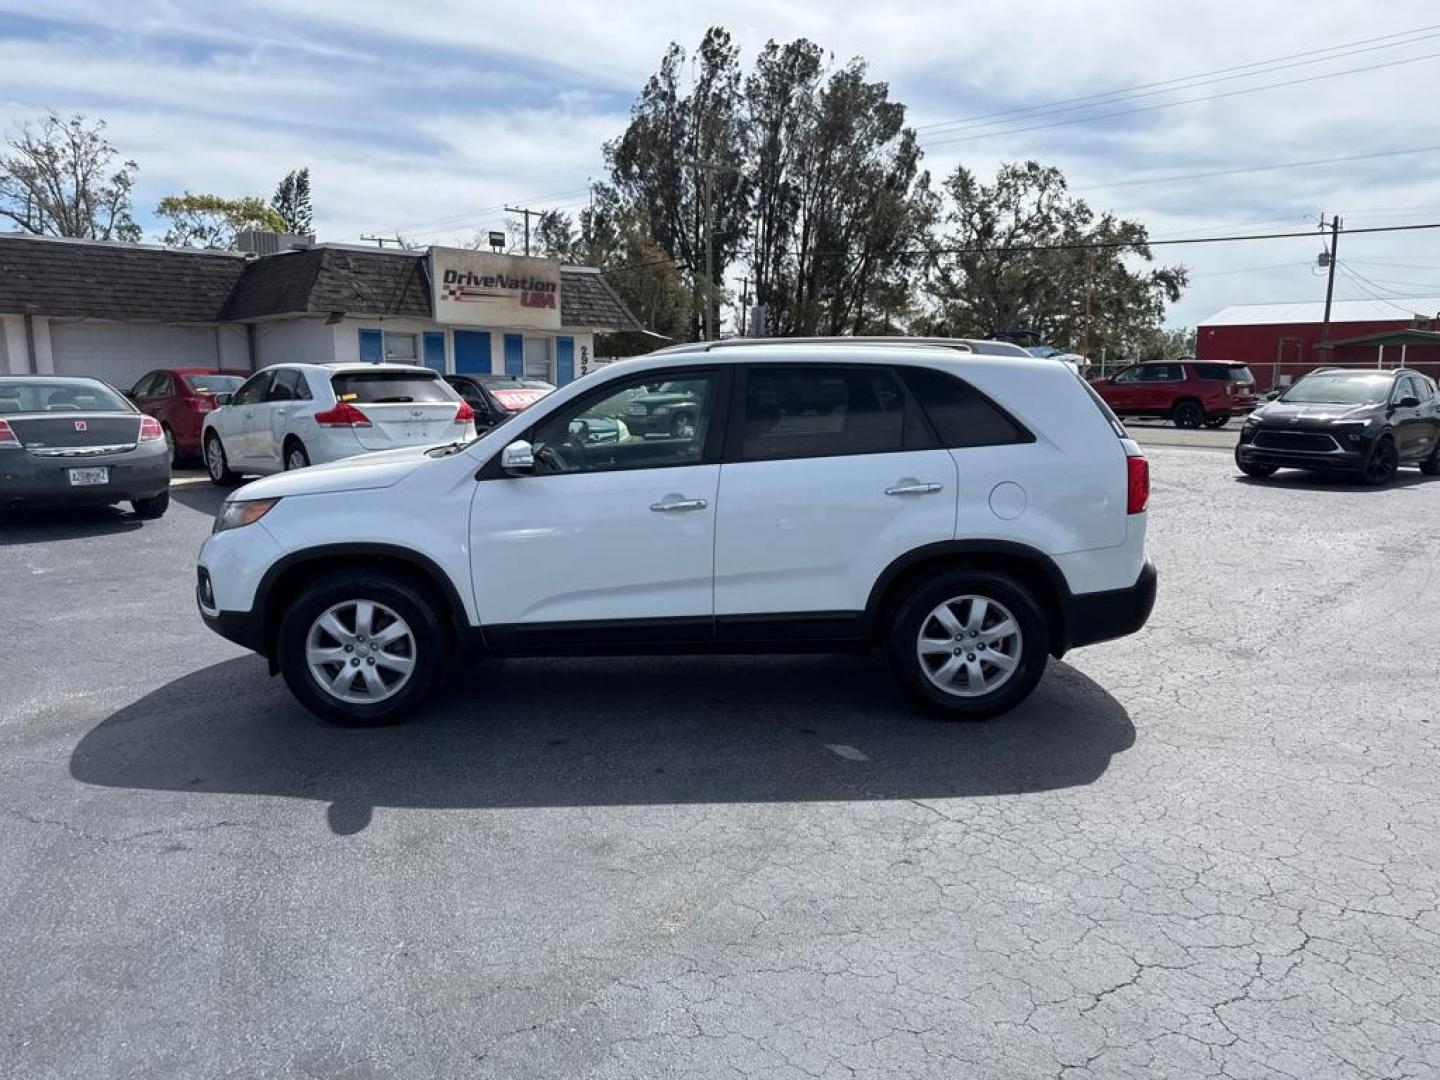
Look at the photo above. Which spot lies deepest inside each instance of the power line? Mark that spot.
(1125, 91)
(1183, 101)
(1174, 177)
(1090, 245)
(1170, 86)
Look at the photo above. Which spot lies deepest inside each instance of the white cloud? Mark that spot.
(429, 118)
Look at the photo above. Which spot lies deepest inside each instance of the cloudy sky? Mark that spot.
(427, 118)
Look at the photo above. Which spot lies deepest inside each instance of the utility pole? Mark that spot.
(1330, 280)
(708, 197)
(744, 301)
(527, 213)
(1089, 290)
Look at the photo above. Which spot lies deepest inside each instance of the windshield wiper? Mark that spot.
(446, 450)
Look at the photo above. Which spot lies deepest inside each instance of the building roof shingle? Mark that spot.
(98, 280)
(77, 279)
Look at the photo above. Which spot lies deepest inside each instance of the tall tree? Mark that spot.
(1022, 253)
(212, 221)
(57, 178)
(292, 202)
(682, 154)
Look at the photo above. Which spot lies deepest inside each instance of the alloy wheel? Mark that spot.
(1382, 462)
(295, 460)
(215, 459)
(969, 645)
(360, 652)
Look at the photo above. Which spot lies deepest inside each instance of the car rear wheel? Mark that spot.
(153, 507)
(1187, 414)
(174, 447)
(296, 456)
(968, 644)
(217, 463)
(1382, 463)
(361, 647)
(1431, 465)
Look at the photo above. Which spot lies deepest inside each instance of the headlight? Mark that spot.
(237, 512)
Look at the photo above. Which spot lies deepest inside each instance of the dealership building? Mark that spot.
(1281, 342)
(115, 311)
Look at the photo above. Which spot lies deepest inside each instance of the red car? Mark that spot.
(179, 398)
(1189, 392)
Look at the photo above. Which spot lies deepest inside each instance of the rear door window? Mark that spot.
(390, 387)
(820, 412)
(289, 385)
(962, 416)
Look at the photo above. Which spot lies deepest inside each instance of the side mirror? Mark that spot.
(1408, 403)
(517, 459)
(223, 399)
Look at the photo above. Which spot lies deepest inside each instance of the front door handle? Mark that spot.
(670, 503)
(913, 487)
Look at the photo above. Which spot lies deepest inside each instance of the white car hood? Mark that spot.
(378, 470)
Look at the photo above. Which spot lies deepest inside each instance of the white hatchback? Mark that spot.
(292, 415)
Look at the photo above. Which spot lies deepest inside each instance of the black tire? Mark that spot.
(682, 426)
(176, 458)
(1431, 465)
(408, 599)
(296, 456)
(1259, 472)
(153, 507)
(912, 616)
(217, 464)
(1382, 463)
(1187, 414)
(1214, 423)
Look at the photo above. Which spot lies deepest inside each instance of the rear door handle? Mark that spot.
(913, 487)
(669, 504)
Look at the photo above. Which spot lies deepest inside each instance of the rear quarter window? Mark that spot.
(389, 387)
(961, 415)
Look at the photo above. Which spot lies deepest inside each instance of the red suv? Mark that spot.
(1189, 392)
(179, 398)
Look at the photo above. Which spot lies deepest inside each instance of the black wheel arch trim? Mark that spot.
(263, 628)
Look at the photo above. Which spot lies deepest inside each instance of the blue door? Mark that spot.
(372, 347)
(472, 352)
(564, 360)
(435, 350)
(514, 354)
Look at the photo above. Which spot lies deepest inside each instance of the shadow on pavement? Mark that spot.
(1298, 480)
(606, 732)
(44, 525)
(205, 497)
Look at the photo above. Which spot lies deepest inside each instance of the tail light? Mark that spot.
(150, 429)
(342, 415)
(1137, 492)
(203, 403)
(465, 414)
(7, 435)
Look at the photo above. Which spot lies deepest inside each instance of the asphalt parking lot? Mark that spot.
(1207, 850)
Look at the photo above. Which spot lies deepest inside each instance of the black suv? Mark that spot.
(668, 408)
(1366, 422)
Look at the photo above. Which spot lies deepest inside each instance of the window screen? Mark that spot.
(821, 412)
(961, 414)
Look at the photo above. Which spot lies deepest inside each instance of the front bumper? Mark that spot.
(28, 479)
(1103, 616)
(1348, 455)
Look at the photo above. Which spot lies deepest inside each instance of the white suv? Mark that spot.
(292, 415)
(967, 515)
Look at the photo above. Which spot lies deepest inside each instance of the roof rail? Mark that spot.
(969, 345)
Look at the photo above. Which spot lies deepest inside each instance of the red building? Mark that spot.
(1281, 342)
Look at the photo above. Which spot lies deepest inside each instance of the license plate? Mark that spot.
(81, 477)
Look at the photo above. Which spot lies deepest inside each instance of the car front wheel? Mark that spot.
(153, 507)
(361, 647)
(969, 644)
(1188, 414)
(1382, 464)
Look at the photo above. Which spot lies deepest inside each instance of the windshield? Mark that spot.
(214, 384)
(390, 387)
(1340, 388)
(59, 395)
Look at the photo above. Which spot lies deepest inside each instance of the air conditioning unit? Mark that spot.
(263, 242)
